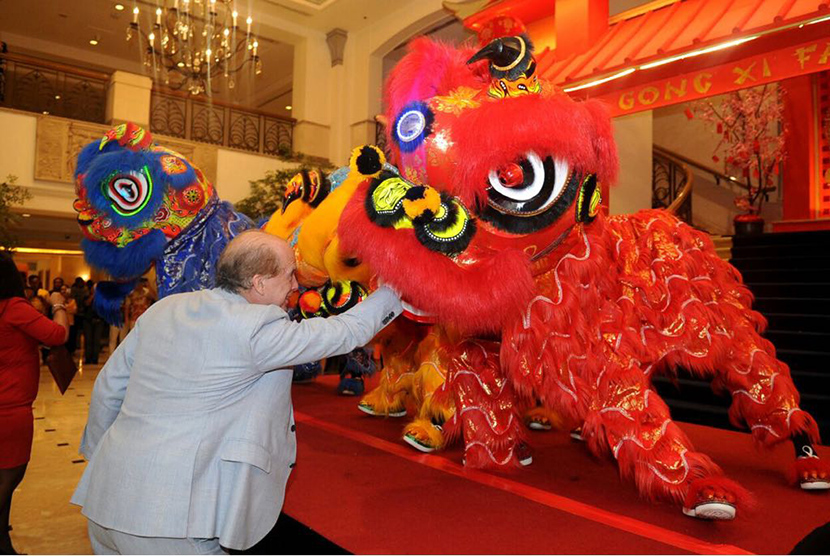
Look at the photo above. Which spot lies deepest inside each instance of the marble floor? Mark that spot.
(43, 521)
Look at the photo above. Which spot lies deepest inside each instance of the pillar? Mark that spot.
(128, 98)
(634, 137)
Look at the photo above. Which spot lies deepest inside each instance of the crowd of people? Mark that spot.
(84, 320)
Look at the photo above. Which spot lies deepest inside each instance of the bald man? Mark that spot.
(190, 437)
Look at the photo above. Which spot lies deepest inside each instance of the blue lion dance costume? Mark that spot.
(140, 204)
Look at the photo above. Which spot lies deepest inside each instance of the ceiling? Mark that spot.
(62, 32)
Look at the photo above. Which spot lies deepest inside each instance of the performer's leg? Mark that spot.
(634, 423)
(765, 398)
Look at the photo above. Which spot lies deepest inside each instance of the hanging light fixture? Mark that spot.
(195, 41)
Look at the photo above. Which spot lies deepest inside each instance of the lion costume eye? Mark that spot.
(529, 194)
(529, 186)
(129, 192)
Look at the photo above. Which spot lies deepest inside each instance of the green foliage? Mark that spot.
(10, 195)
(267, 193)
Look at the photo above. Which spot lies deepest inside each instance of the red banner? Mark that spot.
(772, 66)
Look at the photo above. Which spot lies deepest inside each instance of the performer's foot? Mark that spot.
(368, 408)
(524, 454)
(714, 498)
(810, 471)
(424, 436)
(576, 434)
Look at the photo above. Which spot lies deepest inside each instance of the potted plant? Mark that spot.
(11, 195)
(752, 133)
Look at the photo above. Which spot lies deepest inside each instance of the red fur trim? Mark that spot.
(802, 422)
(428, 69)
(463, 296)
(820, 467)
(734, 493)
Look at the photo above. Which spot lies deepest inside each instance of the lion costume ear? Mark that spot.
(367, 161)
(602, 138)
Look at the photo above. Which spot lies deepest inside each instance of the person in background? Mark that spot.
(71, 311)
(93, 326)
(22, 329)
(34, 283)
(138, 301)
(57, 284)
(79, 293)
(118, 333)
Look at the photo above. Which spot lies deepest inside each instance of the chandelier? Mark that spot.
(194, 42)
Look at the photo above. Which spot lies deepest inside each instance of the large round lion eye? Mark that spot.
(529, 194)
(129, 191)
(528, 186)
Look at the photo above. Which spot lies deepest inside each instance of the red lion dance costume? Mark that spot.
(494, 227)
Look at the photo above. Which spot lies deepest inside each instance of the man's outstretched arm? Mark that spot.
(279, 343)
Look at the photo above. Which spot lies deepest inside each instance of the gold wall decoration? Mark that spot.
(59, 141)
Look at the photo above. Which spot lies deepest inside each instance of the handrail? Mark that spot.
(56, 66)
(718, 175)
(675, 205)
(161, 89)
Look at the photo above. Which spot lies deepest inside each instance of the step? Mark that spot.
(785, 275)
(716, 416)
(814, 262)
(804, 341)
(804, 360)
(797, 290)
(793, 322)
(811, 381)
(690, 390)
(788, 238)
(699, 414)
(797, 250)
(790, 305)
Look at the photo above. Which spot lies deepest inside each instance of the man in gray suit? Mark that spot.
(190, 437)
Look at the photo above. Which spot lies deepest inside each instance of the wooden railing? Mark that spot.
(37, 85)
(181, 115)
(671, 184)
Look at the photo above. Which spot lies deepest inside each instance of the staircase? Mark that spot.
(789, 273)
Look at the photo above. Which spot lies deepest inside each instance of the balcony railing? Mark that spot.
(218, 123)
(671, 184)
(36, 85)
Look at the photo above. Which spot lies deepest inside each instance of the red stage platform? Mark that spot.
(357, 484)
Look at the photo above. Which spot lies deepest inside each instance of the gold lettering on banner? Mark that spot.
(825, 55)
(767, 72)
(699, 84)
(626, 100)
(744, 75)
(649, 95)
(803, 54)
(679, 92)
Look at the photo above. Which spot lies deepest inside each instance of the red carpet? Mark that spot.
(362, 488)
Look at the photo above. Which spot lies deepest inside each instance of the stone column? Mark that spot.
(128, 99)
(634, 137)
(311, 96)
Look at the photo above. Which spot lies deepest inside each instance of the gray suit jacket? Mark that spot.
(189, 434)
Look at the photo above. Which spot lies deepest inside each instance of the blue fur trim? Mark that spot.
(125, 262)
(415, 142)
(108, 299)
(85, 157)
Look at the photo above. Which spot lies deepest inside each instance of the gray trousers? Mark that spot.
(109, 541)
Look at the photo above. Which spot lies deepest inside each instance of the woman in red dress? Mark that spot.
(22, 330)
